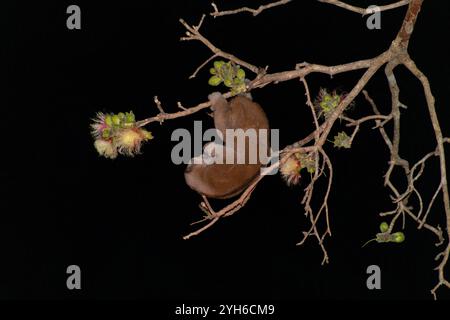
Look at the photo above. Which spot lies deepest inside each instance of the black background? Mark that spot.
(122, 221)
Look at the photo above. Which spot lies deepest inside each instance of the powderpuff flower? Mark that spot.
(118, 133)
(129, 141)
(290, 170)
(105, 148)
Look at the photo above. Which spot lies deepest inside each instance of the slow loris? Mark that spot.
(224, 181)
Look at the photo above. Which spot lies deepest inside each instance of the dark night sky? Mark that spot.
(122, 221)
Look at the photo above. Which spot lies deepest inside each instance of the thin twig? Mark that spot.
(255, 12)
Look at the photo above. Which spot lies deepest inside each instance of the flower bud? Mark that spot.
(218, 64)
(108, 120)
(214, 81)
(398, 237)
(116, 120)
(240, 74)
(384, 227)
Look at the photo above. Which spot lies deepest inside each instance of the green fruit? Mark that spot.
(398, 237)
(384, 227)
(214, 81)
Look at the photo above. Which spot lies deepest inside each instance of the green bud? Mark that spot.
(108, 120)
(342, 140)
(214, 81)
(121, 115)
(325, 107)
(106, 133)
(240, 74)
(228, 82)
(384, 227)
(116, 120)
(238, 81)
(398, 237)
(212, 71)
(218, 64)
(129, 117)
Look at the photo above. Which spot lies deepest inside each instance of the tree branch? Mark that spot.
(364, 11)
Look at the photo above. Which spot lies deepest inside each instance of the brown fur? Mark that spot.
(224, 181)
